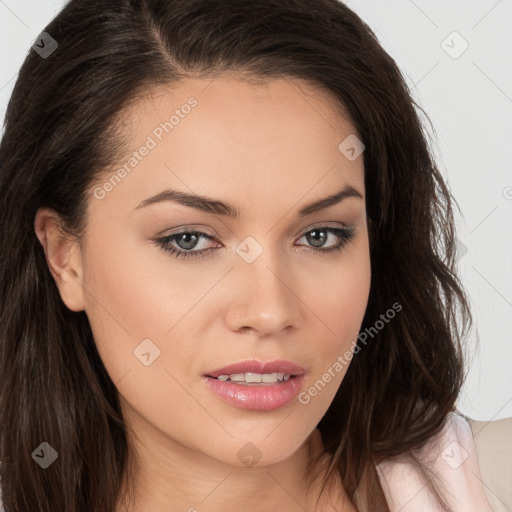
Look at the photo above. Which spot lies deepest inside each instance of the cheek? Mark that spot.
(340, 295)
(141, 310)
(341, 307)
(135, 293)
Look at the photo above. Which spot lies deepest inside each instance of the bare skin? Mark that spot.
(268, 150)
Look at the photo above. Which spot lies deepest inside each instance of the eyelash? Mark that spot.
(345, 234)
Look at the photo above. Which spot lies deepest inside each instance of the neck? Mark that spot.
(179, 478)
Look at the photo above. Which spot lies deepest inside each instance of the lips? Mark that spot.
(270, 394)
(255, 366)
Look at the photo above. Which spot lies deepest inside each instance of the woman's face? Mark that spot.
(262, 288)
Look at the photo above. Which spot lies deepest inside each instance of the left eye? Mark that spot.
(188, 240)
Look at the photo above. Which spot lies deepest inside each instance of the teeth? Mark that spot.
(250, 377)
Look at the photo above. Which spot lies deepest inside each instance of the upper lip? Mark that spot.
(255, 366)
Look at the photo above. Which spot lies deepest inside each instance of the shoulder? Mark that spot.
(493, 442)
(452, 462)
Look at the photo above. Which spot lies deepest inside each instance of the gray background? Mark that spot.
(467, 93)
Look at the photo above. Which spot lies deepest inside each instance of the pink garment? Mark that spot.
(452, 458)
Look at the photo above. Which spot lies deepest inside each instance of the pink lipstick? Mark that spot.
(257, 385)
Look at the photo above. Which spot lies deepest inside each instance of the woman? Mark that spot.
(222, 278)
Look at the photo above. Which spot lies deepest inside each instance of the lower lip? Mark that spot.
(257, 397)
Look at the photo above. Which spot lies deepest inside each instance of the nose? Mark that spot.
(264, 297)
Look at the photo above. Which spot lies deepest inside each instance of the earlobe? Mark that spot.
(63, 256)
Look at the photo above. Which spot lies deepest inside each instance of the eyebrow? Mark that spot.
(217, 207)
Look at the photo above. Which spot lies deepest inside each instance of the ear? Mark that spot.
(64, 257)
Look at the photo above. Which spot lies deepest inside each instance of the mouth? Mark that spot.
(256, 385)
(254, 371)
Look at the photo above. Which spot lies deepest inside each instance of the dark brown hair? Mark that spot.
(61, 134)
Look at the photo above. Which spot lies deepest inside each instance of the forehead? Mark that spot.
(230, 138)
